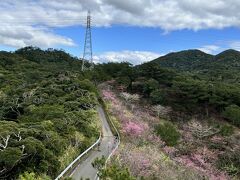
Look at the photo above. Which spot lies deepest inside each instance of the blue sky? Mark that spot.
(122, 30)
(120, 38)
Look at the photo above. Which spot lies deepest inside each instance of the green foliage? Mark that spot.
(150, 86)
(68, 178)
(123, 72)
(10, 157)
(28, 176)
(99, 163)
(184, 60)
(186, 93)
(226, 130)
(32, 176)
(232, 113)
(88, 85)
(230, 162)
(46, 112)
(222, 67)
(168, 133)
(158, 97)
(46, 106)
(152, 70)
(125, 81)
(45, 101)
(115, 172)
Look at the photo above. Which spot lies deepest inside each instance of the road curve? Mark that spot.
(85, 170)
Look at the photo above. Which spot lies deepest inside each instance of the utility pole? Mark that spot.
(87, 54)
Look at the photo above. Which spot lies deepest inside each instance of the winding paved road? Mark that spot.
(85, 170)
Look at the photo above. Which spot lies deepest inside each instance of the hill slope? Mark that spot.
(185, 60)
(223, 67)
(47, 112)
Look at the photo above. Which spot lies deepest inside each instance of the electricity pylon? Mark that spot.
(87, 54)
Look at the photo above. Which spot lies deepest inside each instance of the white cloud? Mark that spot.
(210, 49)
(166, 14)
(235, 45)
(134, 57)
(26, 35)
(220, 46)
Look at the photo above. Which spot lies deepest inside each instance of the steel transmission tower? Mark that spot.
(87, 54)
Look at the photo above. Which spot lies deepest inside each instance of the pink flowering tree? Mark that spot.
(109, 96)
(133, 129)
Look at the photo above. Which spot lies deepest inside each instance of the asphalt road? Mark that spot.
(85, 170)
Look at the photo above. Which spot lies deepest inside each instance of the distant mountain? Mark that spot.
(185, 60)
(196, 60)
(229, 57)
(223, 67)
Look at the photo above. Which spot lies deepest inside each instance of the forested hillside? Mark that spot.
(184, 108)
(187, 93)
(193, 106)
(222, 67)
(47, 112)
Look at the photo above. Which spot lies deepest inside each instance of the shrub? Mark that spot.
(217, 146)
(232, 113)
(230, 162)
(226, 130)
(28, 176)
(125, 81)
(134, 129)
(114, 172)
(158, 97)
(149, 86)
(168, 133)
(32, 176)
(99, 163)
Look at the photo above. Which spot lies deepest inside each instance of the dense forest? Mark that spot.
(47, 112)
(48, 106)
(222, 67)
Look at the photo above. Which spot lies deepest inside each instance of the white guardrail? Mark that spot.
(70, 166)
(119, 140)
(117, 143)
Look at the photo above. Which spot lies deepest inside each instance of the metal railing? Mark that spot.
(71, 165)
(118, 138)
(118, 143)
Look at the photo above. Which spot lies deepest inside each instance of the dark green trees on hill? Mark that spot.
(47, 112)
(222, 67)
(185, 60)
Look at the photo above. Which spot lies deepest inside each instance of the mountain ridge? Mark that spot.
(196, 60)
(198, 53)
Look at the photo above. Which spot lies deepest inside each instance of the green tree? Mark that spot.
(150, 86)
(232, 113)
(158, 97)
(168, 133)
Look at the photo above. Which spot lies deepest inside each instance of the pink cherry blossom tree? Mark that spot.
(133, 128)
